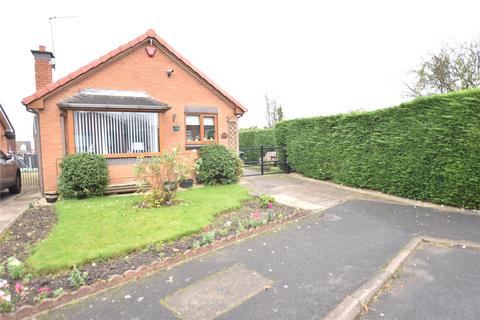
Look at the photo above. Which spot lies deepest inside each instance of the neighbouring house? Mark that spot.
(7, 133)
(24, 147)
(137, 100)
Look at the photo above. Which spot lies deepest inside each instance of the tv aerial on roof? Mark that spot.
(50, 19)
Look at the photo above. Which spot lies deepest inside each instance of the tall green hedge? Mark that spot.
(254, 138)
(427, 149)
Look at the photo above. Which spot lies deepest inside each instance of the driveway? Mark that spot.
(305, 268)
(12, 205)
(436, 282)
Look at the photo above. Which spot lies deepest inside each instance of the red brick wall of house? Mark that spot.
(121, 174)
(132, 70)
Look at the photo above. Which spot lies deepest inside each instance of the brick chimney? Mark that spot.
(43, 67)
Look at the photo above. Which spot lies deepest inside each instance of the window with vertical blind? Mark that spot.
(200, 128)
(115, 132)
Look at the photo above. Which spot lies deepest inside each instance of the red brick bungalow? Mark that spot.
(139, 99)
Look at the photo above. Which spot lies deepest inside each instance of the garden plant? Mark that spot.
(161, 174)
(218, 165)
(83, 175)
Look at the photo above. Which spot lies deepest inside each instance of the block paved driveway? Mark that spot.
(311, 264)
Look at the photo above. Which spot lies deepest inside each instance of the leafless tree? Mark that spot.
(273, 112)
(453, 68)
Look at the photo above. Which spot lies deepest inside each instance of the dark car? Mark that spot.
(10, 174)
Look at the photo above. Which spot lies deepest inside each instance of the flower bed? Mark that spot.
(30, 290)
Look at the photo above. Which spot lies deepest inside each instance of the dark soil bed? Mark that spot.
(33, 225)
(36, 223)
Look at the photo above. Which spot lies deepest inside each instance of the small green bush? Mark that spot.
(224, 231)
(218, 165)
(77, 278)
(265, 200)
(15, 268)
(196, 244)
(208, 237)
(83, 175)
(58, 292)
(6, 306)
(240, 226)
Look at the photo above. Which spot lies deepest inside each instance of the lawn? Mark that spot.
(103, 227)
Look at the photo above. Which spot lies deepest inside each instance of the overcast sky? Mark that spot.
(317, 57)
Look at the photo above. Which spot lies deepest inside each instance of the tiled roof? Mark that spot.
(113, 99)
(149, 34)
(5, 121)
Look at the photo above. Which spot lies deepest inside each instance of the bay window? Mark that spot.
(200, 128)
(115, 133)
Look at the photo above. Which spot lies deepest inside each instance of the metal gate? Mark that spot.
(264, 160)
(28, 163)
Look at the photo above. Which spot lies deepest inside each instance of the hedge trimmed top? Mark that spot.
(254, 138)
(426, 149)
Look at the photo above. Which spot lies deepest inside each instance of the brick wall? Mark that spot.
(133, 70)
(43, 71)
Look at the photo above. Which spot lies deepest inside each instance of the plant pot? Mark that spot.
(170, 186)
(187, 183)
(51, 197)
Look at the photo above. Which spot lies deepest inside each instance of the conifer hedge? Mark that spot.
(254, 138)
(427, 149)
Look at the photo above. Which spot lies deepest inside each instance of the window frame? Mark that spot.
(70, 128)
(202, 131)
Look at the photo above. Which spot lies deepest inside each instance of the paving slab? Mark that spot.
(437, 282)
(216, 294)
(314, 262)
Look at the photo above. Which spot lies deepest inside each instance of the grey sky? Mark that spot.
(318, 57)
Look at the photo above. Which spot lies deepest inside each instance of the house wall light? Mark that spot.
(169, 72)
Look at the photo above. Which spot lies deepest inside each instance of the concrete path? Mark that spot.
(12, 205)
(435, 283)
(311, 264)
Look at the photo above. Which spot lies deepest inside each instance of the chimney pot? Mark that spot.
(41, 48)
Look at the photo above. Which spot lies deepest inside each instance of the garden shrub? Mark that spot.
(218, 165)
(208, 237)
(15, 268)
(265, 200)
(83, 175)
(427, 149)
(77, 278)
(162, 174)
(58, 292)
